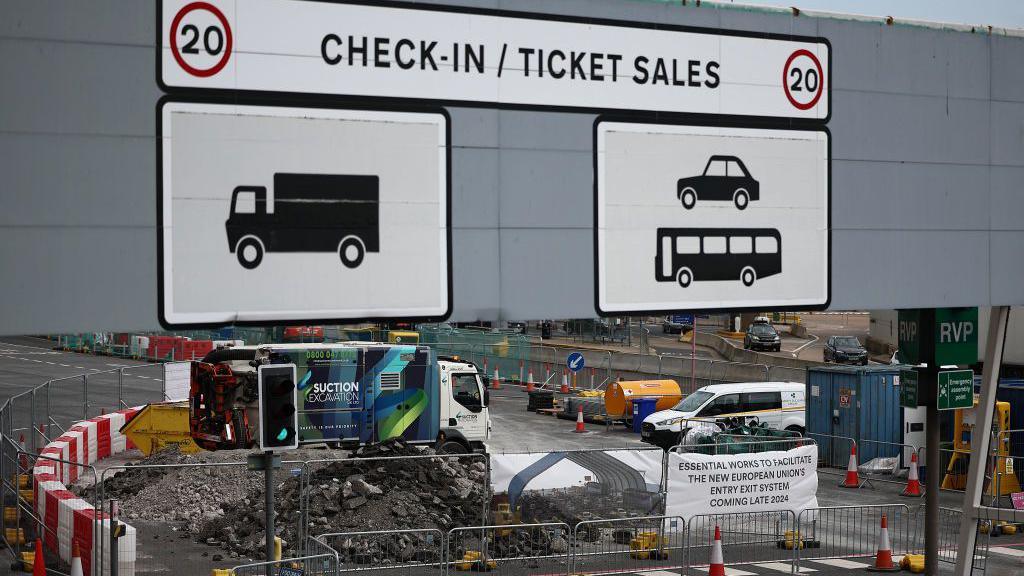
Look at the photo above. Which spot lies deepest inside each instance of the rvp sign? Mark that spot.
(951, 339)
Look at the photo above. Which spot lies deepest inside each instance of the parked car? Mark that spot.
(725, 178)
(762, 336)
(845, 350)
(517, 327)
(672, 325)
(780, 405)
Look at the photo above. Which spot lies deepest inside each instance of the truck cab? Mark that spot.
(464, 419)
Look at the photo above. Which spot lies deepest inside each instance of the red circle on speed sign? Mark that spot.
(795, 79)
(219, 65)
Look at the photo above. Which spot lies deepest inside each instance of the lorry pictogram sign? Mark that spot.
(290, 213)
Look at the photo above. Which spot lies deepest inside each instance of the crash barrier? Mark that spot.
(543, 548)
(398, 552)
(67, 519)
(628, 544)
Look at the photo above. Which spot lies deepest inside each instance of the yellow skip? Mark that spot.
(158, 426)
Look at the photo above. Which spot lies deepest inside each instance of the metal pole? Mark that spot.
(85, 396)
(931, 493)
(967, 539)
(268, 488)
(693, 355)
(113, 540)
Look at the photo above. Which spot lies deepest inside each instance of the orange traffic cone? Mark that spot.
(529, 380)
(39, 561)
(717, 567)
(565, 383)
(23, 457)
(883, 558)
(496, 383)
(76, 560)
(913, 482)
(852, 479)
(579, 419)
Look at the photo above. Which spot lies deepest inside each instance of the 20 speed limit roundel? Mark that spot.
(802, 79)
(200, 39)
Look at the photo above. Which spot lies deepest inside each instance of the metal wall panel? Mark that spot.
(927, 170)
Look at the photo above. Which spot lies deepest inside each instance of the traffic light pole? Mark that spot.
(267, 462)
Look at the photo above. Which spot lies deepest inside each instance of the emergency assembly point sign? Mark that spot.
(489, 57)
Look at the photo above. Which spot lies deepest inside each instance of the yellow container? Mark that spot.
(913, 562)
(221, 572)
(27, 496)
(403, 337)
(10, 515)
(24, 482)
(158, 426)
(618, 397)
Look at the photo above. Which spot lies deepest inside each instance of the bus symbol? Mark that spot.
(685, 255)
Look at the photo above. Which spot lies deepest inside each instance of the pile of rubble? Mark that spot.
(221, 502)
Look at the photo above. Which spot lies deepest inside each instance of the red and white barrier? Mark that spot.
(69, 519)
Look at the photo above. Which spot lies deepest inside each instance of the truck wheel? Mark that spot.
(452, 447)
(249, 252)
(351, 251)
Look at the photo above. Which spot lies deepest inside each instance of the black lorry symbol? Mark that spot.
(311, 213)
(725, 178)
(686, 255)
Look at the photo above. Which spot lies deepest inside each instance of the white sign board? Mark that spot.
(272, 213)
(177, 380)
(489, 57)
(761, 482)
(692, 217)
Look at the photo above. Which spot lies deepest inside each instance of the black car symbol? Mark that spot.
(724, 178)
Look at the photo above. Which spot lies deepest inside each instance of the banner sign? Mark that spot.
(723, 484)
(613, 471)
(493, 57)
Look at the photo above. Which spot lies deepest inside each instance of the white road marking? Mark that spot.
(841, 563)
(786, 567)
(66, 365)
(657, 573)
(728, 571)
(1007, 551)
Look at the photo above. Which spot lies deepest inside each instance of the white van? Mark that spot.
(779, 404)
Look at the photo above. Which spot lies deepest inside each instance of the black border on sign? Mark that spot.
(736, 123)
(269, 100)
(509, 106)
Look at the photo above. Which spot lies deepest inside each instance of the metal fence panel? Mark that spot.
(628, 545)
(853, 531)
(747, 538)
(388, 552)
(542, 548)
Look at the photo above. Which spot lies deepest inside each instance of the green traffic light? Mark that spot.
(282, 435)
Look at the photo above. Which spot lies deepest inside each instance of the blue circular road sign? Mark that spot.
(575, 361)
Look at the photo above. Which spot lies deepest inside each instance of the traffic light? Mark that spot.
(279, 417)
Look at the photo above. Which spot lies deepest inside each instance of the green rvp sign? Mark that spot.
(951, 338)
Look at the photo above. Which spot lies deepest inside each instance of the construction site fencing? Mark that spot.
(1007, 466)
(724, 444)
(852, 531)
(411, 552)
(541, 548)
(626, 545)
(747, 538)
(949, 531)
